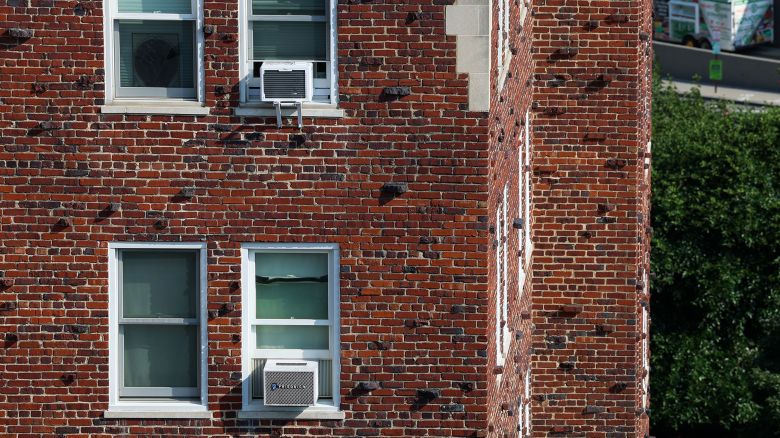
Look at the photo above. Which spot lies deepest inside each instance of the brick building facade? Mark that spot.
(467, 202)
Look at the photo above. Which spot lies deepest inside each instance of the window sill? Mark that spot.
(296, 414)
(166, 414)
(162, 108)
(321, 110)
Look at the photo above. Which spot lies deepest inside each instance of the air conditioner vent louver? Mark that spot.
(286, 82)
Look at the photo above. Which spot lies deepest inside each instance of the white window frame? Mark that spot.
(505, 291)
(645, 355)
(529, 244)
(245, 46)
(527, 402)
(521, 210)
(111, 52)
(256, 408)
(504, 56)
(502, 278)
(151, 405)
(499, 287)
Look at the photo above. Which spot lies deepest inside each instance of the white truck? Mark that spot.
(735, 24)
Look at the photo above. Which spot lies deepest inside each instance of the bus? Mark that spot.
(735, 24)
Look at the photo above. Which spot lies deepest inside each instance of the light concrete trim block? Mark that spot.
(469, 21)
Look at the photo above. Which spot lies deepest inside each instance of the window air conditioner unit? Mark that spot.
(286, 82)
(290, 383)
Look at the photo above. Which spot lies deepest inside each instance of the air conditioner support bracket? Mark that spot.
(278, 107)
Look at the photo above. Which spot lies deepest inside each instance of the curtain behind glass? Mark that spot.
(303, 337)
(291, 299)
(152, 6)
(289, 7)
(289, 40)
(278, 264)
(160, 356)
(159, 284)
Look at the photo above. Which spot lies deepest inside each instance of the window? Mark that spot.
(521, 232)
(157, 332)
(645, 354)
(291, 300)
(153, 49)
(529, 246)
(502, 281)
(527, 402)
(289, 30)
(504, 54)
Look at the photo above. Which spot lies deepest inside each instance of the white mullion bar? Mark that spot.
(270, 353)
(153, 16)
(309, 322)
(304, 18)
(159, 321)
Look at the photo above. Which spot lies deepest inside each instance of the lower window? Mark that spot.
(157, 332)
(291, 302)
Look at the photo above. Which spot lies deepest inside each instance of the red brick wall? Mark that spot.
(591, 129)
(418, 271)
(414, 268)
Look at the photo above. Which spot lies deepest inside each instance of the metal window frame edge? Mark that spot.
(115, 403)
(247, 303)
(110, 55)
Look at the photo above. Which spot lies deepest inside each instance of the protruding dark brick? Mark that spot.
(592, 409)
(395, 188)
(77, 328)
(397, 91)
(16, 32)
(453, 408)
(369, 386)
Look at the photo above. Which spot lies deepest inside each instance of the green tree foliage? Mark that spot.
(716, 265)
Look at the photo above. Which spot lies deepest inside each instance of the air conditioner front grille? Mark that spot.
(325, 380)
(283, 85)
(284, 388)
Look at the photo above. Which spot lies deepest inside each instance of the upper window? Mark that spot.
(504, 54)
(156, 323)
(645, 354)
(298, 31)
(502, 278)
(153, 49)
(529, 244)
(527, 403)
(291, 314)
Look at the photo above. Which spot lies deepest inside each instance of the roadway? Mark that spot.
(751, 76)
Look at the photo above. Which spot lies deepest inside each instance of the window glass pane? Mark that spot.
(160, 356)
(289, 7)
(156, 53)
(291, 285)
(150, 6)
(304, 337)
(292, 300)
(159, 284)
(289, 40)
(287, 265)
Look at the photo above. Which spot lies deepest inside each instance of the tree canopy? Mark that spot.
(716, 267)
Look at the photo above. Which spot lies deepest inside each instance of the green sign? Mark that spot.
(716, 70)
